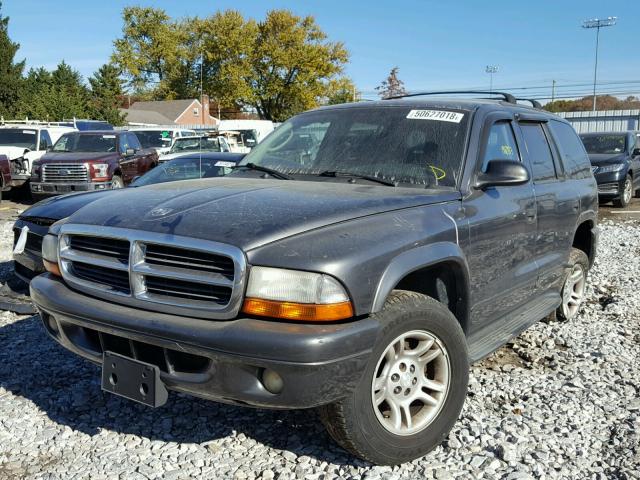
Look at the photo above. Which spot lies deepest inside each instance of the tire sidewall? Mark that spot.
(436, 320)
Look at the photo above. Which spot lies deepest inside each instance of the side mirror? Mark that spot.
(502, 173)
(636, 152)
(129, 152)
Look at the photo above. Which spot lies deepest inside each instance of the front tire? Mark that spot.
(117, 182)
(413, 387)
(627, 193)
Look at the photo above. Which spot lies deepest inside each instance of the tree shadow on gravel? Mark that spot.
(67, 388)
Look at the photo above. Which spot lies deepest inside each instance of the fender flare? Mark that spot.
(418, 258)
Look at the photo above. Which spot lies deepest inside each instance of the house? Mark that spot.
(170, 112)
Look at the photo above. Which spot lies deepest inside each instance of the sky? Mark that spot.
(435, 44)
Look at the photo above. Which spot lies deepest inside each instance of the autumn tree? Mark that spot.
(392, 86)
(106, 91)
(10, 71)
(341, 90)
(604, 102)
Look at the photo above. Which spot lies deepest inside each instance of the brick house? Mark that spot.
(170, 112)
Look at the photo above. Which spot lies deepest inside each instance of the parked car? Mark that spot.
(249, 132)
(356, 261)
(35, 221)
(5, 174)
(615, 160)
(25, 143)
(160, 138)
(85, 125)
(90, 160)
(200, 143)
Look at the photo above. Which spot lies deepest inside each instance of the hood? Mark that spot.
(12, 152)
(76, 156)
(246, 212)
(57, 208)
(598, 159)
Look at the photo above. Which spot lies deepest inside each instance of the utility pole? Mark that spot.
(491, 69)
(598, 24)
(201, 91)
(553, 90)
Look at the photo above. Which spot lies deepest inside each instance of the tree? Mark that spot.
(106, 92)
(10, 72)
(292, 61)
(604, 102)
(392, 86)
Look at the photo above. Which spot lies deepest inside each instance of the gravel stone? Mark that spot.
(560, 401)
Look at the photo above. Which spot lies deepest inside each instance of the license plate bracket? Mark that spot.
(133, 379)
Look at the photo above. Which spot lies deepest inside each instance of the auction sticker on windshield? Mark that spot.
(440, 115)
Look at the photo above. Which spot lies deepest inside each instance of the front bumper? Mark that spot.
(217, 360)
(43, 188)
(610, 184)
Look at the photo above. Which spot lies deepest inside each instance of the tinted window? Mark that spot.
(574, 156)
(539, 151)
(45, 140)
(76, 142)
(154, 138)
(133, 141)
(15, 137)
(605, 144)
(409, 146)
(501, 144)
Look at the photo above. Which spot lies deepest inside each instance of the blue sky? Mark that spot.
(436, 45)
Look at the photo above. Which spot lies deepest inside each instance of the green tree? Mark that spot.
(291, 62)
(341, 90)
(392, 86)
(10, 71)
(106, 92)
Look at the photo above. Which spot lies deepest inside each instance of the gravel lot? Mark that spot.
(562, 401)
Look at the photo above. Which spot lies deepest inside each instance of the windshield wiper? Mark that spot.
(335, 173)
(260, 168)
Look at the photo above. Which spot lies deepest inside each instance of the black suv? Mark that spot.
(615, 160)
(356, 261)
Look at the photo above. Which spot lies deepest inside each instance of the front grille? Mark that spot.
(110, 247)
(33, 243)
(116, 279)
(65, 173)
(166, 273)
(609, 187)
(190, 259)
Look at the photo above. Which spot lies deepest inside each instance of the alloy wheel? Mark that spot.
(573, 291)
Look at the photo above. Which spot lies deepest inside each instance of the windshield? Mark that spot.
(196, 144)
(604, 143)
(77, 142)
(421, 147)
(14, 137)
(185, 169)
(154, 138)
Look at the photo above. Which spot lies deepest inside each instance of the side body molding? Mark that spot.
(418, 258)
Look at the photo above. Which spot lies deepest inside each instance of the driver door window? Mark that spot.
(501, 144)
(124, 143)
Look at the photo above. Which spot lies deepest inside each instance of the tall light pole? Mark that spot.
(491, 69)
(598, 23)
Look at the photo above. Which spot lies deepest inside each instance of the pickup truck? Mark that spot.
(90, 160)
(356, 261)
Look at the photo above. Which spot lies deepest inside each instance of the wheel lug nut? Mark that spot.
(407, 392)
(395, 377)
(403, 367)
(414, 381)
(396, 390)
(412, 368)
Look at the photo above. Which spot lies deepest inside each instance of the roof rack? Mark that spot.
(506, 96)
(534, 103)
(26, 121)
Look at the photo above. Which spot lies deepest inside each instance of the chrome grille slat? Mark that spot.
(65, 173)
(167, 273)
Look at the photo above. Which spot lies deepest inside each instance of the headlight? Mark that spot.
(296, 295)
(100, 170)
(614, 167)
(35, 170)
(50, 254)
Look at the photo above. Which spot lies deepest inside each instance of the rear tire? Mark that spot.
(412, 389)
(627, 192)
(574, 288)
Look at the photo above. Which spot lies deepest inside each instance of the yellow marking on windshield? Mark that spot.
(438, 172)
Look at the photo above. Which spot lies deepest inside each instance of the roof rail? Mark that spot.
(534, 103)
(506, 96)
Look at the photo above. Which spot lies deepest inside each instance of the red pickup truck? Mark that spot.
(5, 174)
(90, 160)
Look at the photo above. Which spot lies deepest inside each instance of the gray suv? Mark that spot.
(356, 261)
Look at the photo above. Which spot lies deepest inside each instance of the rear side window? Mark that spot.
(501, 144)
(539, 152)
(574, 156)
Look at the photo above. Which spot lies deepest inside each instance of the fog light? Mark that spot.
(100, 186)
(272, 381)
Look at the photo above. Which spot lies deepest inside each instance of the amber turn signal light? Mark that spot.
(298, 311)
(51, 267)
